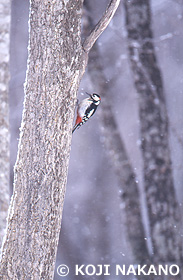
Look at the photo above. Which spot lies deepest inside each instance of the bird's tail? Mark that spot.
(77, 123)
(75, 127)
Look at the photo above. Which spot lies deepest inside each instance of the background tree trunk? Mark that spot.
(4, 111)
(119, 159)
(163, 208)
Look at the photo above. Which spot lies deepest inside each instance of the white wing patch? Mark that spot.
(90, 113)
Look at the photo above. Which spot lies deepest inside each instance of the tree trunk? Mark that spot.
(119, 158)
(163, 209)
(54, 72)
(56, 63)
(4, 111)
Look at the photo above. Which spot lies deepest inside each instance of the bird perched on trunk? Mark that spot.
(86, 109)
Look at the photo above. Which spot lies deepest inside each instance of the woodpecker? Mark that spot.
(86, 109)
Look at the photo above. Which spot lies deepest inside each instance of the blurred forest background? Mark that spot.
(108, 205)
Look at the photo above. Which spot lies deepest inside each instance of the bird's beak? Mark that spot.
(88, 93)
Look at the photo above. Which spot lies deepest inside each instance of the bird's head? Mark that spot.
(95, 97)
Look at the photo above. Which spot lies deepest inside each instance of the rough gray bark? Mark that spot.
(163, 209)
(5, 12)
(55, 66)
(117, 153)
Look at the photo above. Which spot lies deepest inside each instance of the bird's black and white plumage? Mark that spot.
(86, 109)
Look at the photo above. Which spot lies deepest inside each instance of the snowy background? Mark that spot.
(92, 226)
